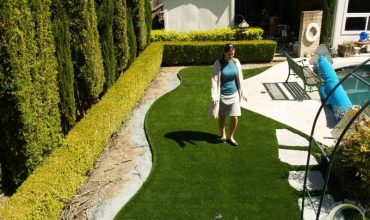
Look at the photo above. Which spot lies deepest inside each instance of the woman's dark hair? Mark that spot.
(227, 48)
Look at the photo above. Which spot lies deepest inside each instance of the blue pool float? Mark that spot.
(339, 100)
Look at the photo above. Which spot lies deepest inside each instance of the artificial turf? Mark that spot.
(194, 177)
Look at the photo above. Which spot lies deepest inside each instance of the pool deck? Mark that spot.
(297, 114)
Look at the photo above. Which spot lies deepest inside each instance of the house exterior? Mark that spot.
(188, 15)
(351, 17)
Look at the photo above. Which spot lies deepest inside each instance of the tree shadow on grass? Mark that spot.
(181, 137)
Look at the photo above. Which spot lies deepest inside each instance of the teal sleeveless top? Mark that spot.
(229, 74)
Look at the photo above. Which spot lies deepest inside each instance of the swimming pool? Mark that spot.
(358, 92)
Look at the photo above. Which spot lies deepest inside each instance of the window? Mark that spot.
(354, 24)
(358, 6)
(357, 16)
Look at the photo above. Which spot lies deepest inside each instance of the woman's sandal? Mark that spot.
(233, 142)
(222, 140)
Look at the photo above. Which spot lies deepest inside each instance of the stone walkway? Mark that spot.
(288, 138)
(315, 181)
(124, 164)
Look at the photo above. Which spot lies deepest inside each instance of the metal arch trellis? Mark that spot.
(332, 157)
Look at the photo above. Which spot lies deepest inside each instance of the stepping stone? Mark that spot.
(295, 157)
(327, 205)
(314, 180)
(288, 138)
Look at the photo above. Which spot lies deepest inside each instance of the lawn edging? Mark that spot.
(46, 191)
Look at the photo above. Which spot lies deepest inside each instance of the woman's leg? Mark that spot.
(233, 124)
(221, 124)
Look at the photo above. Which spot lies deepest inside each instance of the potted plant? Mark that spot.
(346, 49)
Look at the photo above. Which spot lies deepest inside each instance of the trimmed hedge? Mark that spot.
(62, 38)
(226, 34)
(30, 120)
(44, 194)
(86, 52)
(197, 53)
(105, 15)
(120, 32)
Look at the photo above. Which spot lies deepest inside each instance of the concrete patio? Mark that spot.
(297, 114)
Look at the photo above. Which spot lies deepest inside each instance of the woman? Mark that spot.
(227, 88)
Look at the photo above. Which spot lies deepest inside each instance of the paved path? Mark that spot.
(124, 164)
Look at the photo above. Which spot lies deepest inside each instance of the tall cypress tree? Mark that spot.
(120, 35)
(140, 27)
(131, 37)
(105, 14)
(86, 53)
(328, 7)
(148, 20)
(62, 38)
(30, 120)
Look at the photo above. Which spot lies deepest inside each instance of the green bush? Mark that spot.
(131, 37)
(105, 14)
(353, 162)
(196, 53)
(30, 120)
(328, 7)
(49, 188)
(86, 52)
(120, 34)
(62, 38)
(226, 34)
(148, 20)
(139, 21)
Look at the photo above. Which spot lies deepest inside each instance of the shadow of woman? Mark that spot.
(181, 137)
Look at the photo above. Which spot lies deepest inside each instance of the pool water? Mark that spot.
(357, 91)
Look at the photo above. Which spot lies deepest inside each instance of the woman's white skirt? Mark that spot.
(230, 105)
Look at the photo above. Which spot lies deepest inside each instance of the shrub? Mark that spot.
(148, 20)
(226, 34)
(30, 120)
(352, 165)
(120, 34)
(131, 37)
(105, 13)
(48, 189)
(86, 52)
(62, 38)
(328, 7)
(195, 53)
(138, 16)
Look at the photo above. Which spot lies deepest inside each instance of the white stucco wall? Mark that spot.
(338, 33)
(188, 15)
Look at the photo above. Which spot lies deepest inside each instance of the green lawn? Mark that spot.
(193, 177)
(252, 72)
